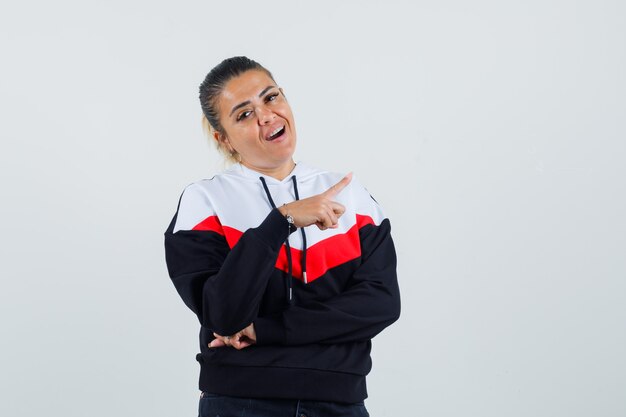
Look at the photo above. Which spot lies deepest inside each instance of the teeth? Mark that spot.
(276, 131)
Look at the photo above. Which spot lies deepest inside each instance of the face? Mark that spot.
(257, 121)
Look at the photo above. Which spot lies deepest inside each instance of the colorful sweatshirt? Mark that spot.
(316, 298)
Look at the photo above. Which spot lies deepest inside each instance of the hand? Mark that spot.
(241, 339)
(320, 209)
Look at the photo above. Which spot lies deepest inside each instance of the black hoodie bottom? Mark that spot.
(287, 383)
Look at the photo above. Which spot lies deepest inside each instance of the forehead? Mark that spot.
(246, 86)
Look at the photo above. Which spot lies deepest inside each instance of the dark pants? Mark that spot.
(212, 405)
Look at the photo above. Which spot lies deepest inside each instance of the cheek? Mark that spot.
(245, 136)
(285, 111)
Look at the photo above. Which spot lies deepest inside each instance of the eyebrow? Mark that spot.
(245, 103)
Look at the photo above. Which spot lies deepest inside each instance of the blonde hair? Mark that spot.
(231, 158)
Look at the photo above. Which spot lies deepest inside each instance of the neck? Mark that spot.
(280, 172)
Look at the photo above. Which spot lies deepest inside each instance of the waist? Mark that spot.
(282, 383)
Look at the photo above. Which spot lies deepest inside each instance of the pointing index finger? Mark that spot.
(335, 189)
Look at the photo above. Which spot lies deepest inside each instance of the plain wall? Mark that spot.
(492, 133)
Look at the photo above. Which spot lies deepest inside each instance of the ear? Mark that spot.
(222, 141)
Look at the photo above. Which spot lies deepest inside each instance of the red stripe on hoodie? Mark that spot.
(321, 257)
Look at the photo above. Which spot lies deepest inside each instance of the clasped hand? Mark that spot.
(241, 339)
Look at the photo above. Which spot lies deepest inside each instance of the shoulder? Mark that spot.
(194, 205)
(195, 193)
(202, 190)
(366, 206)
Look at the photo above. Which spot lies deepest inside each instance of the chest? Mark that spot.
(240, 207)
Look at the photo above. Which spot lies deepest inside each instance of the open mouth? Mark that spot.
(276, 133)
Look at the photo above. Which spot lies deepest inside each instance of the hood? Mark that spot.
(302, 170)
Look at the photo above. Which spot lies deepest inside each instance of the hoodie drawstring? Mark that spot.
(295, 189)
(287, 246)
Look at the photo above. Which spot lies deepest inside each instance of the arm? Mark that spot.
(364, 309)
(222, 286)
(371, 303)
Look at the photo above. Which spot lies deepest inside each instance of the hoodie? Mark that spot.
(316, 298)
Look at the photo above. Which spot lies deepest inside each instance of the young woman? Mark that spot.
(291, 270)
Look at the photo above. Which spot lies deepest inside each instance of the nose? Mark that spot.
(265, 115)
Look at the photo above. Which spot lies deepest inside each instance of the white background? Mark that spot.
(492, 133)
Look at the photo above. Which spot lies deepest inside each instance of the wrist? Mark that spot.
(288, 217)
(272, 229)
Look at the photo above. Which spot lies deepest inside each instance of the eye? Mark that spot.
(272, 97)
(243, 115)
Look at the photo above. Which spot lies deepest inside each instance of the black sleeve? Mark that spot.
(222, 286)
